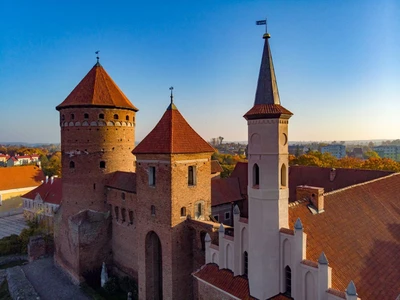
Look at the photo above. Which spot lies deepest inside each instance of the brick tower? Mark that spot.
(173, 182)
(268, 190)
(97, 136)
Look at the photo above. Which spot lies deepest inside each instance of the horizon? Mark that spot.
(345, 54)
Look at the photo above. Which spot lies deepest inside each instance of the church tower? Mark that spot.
(268, 189)
(173, 184)
(97, 136)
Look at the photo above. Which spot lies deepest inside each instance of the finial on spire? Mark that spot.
(172, 95)
(97, 56)
(264, 22)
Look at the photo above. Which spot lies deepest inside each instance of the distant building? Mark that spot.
(389, 151)
(3, 159)
(337, 150)
(20, 160)
(357, 153)
(296, 150)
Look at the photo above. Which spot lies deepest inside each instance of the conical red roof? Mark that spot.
(97, 89)
(172, 135)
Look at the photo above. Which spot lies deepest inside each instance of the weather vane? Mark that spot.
(263, 22)
(172, 96)
(97, 55)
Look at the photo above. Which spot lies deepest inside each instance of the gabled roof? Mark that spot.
(267, 103)
(49, 192)
(20, 177)
(216, 167)
(359, 231)
(97, 89)
(172, 135)
(225, 190)
(125, 181)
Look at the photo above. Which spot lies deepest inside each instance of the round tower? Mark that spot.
(97, 137)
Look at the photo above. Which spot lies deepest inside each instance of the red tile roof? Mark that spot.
(125, 181)
(97, 89)
(240, 171)
(360, 235)
(172, 135)
(260, 111)
(49, 192)
(216, 167)
(237, 286)
(20, 177)
(225, 190)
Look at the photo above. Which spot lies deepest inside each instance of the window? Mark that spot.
(256, 176)
(71, 165)
(183, 211)
(191, 175)
(199, 210)
(94, 186)
(115, 117)
(245, 263)
(203, 240)
(131, 216)
(123, 196)
(63, 117)
(72, 116)
(116, 209)
(288, 281)
(86, 116)
(283, 175)
(102, 164)
(123, 214)
(153, 210)
(127, 118)
(152, 176)
(216, 217)
(101, 116)
(227, 215)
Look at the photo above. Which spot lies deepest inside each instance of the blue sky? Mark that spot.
(337, 63)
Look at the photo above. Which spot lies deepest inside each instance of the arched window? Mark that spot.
(256, 176)
(183, 211)
(72, 165)
(123, 214)
(203, 240)
(127, 118)
(101, 116)
(283, 175)
(245, 263)
(86, 116)
(131, 216)
(191, 175)
(288, 281)
(72, 116)
(116, 209)
(102, 164)
(153, 210)
(115, 117)
(123, 196)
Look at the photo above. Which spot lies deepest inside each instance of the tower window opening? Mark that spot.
(123, 196)
(115, 117)
(102, 164)
(86, 116)
(283, 175)
(153, 210)
(256, 176)
(127, 118)
(63, 117)
(191, 175)
(131, 216)
(116, 209)
(199, 210)
(123, 214)
(72, 116)
(94, 186)
(72, 165)
(152, 176)
(288, 281)
(245, 263)
(183, 211)
(101, 116)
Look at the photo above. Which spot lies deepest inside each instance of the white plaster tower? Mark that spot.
(267, 187)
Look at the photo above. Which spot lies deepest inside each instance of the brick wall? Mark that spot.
(204, 291)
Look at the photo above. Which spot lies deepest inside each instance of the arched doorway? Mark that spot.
(154, 289)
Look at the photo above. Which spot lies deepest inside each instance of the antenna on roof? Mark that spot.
(97, 55)
(172, 95)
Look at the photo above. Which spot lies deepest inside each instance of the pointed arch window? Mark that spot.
(288, 281)
(116, 117)
(283, 175)
(72, 165)
(256, 176)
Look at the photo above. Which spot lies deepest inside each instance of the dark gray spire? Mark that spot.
(267, 89)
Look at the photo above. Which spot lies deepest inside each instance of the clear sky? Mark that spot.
(337, 63)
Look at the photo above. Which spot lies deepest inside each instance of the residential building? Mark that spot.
(388, 151)
(20, 160)
(337, 150)
(3, 159)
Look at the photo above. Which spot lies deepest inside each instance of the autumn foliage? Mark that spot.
(318, 159)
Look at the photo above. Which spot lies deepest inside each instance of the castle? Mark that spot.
(144, 210)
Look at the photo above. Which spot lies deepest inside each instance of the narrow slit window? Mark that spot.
(72, 165)
(256, 176)
(183, 211)
(102, 164)
(152, 176)
(191, 175)
(153, 210)
(288, 281)
(116, 209)
(245, 263)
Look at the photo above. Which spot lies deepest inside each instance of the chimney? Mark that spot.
(313, 194)
(51, 179)
(47, 179)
